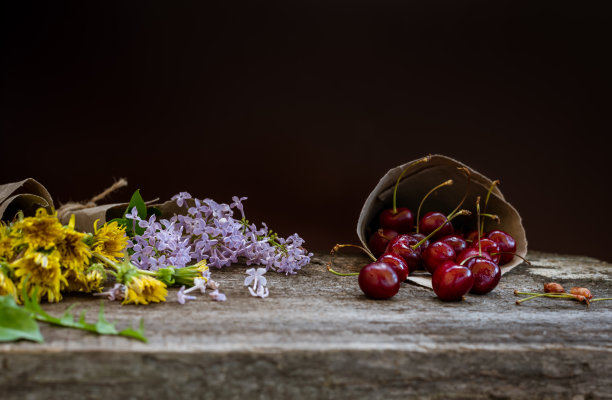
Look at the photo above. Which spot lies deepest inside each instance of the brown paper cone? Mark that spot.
(423, 177)
(27, 195)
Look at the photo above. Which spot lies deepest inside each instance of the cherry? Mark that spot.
(436, 254)
(378, 280)
(455, 241)
(400, 220)
(410, 253)
(397, 263)
(402, 245)
(419, 237)
(470, 254)
(471, 237)
(451, 282)
(380, 239)
(486, 275)
(431, 221)
(505, 242)
(489, 246)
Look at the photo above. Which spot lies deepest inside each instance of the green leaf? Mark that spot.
(138, 202)
(135, 333)
(104, 327)
(16, 322)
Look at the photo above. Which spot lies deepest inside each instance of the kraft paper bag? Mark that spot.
(27, 195)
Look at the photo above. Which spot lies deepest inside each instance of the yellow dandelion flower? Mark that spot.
(7, 287)
(41, 231)
(201, 267)
(95, 280)
(144, 289)
(86, 282)
(74, 253)
(7, 243)
(40, 270)
(110, 240)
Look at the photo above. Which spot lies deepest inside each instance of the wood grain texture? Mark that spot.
(317, 336)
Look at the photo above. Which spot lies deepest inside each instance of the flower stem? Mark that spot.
(106, 261)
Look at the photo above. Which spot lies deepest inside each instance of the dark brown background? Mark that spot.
(304, 105)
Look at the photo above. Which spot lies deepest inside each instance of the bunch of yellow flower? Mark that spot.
(42, 256)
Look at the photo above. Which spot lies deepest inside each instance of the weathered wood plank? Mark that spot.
(317, 336)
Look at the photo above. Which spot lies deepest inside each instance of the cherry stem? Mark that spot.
(447, 183)
(514, 254)
(381, 232)
(478, 224)
(467, 189)
(562, 295)
(493, 185)
(492, 216)
(469, 258)
(339, 246)
(335, 249)
(419, 161)
(341, 274)
(528, 298)
(602, 299)
(461, 212)
(552, 296)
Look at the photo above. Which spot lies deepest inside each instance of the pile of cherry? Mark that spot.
(460, 262)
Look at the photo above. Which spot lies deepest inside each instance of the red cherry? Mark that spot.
(451, 282)
(471, 237)
(505, 242)
(436, 254)
(401, 221)
(378, 280)
(431, 221)
(471, 253)
(455, 241)
(418, 237)
(486, 276)
(489, 246)
(397, 263)
(380, 239)
(402, 246)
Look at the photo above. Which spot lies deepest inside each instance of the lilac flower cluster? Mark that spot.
(209, 231)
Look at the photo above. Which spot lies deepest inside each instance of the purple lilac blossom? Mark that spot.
(209, 231)
(182, 297)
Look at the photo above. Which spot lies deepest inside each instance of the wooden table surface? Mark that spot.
(317, 336)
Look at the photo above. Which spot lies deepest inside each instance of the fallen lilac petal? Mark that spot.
(117, 292)
(216, 296)
(182, 297)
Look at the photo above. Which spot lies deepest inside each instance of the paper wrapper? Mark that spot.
(419, 180)
(84, 219)
(27, 195)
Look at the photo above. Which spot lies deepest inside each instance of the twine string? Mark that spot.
(70, 207)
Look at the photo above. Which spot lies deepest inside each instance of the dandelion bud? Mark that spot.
(580, 291)
(553, 287)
